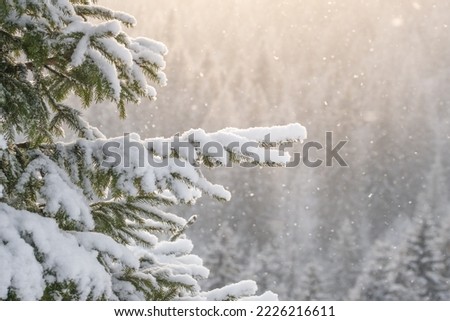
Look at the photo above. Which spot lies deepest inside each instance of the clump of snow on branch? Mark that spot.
(58, 190)
(22, 233)
(232, 291)
(3, 143)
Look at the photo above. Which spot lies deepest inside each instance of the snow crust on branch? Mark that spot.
(160, 164)
(59, 257)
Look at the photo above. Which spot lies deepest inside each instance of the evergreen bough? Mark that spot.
(73, 225)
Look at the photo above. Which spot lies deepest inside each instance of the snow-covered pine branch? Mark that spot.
(143, 166)
(113, 205)
(65, 50)
(88, 219)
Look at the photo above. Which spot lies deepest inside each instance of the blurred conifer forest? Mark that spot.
(375, 73)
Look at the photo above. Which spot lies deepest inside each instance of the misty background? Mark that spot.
(375, 73)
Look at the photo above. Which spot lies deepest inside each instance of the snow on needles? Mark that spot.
(173, 164)
(277, 134)
(58, 251)
(58, 190)
(133, 55)
(3, 142)
(121, 59)
(232, 291)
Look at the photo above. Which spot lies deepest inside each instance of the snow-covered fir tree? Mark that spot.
(311, 286)
(345, 259)
(421, 272)
(413, 270)
(445, 246)
(78, 223)
(377, 279)
(224, 255)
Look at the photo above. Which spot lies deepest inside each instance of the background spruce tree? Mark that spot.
(414, 269)
(312, 285)
(377, 279)
(345, 261)
(421, 270)
(74, 225)
(224, 257)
